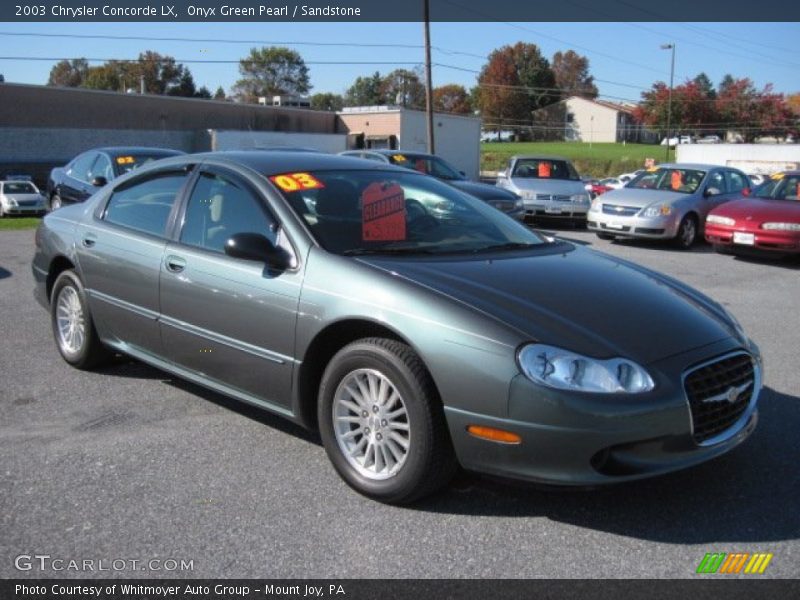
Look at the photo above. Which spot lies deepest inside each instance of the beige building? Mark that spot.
(579, 119)
(456, 137)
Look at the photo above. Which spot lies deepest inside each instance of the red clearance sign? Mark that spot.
(383, 216)
(544, 170)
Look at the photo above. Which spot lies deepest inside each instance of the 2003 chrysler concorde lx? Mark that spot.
(415, 326)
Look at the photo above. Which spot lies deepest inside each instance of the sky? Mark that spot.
(625, 58)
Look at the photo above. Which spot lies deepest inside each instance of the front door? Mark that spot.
(227, 319)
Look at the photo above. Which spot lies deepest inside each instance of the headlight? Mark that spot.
(518, 203)
(565, 370)
(529, 195)
(582, 198)
(719, 220)
(782, 226)
(658, 210)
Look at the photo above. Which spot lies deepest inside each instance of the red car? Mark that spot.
(768, 219)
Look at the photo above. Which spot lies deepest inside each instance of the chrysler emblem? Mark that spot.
(731, 395)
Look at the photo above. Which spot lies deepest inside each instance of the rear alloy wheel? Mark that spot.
(382, 423)
(55, 202)
(687, 233)
(73, 329)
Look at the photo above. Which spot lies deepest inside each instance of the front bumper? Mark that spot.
(588, 439)
(656, 228)
(555, 210)
(763, 239)
(36, 209)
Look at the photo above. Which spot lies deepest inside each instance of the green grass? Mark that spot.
(597, 160)
(14, 223)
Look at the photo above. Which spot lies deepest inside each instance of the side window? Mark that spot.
(80, 167)
(736, 182)
(220, 207)
(101, 168)
(717, 180)
(145, 205)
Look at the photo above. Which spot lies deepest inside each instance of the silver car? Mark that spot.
(549, 185)
(668, 202)
(20, 198)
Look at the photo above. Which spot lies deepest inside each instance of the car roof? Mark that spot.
(275, 162)
(388, 152)
(539, 157)
(136, 150)
(697, 166)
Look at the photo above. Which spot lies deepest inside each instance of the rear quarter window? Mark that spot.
(145, 206)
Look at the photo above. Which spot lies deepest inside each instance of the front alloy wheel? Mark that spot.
(687, 233)
(382, 422)
(371, 424)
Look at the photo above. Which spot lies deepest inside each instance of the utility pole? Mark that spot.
(669, 98)
(428, 77)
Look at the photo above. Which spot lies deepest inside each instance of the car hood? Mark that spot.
(548, 186)
(484, 191)
(23, 197)
(574, 298)
(760, 210)
(641, 197)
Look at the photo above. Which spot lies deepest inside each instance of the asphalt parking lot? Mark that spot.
(129, 463)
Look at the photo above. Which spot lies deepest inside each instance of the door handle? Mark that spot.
(175, 264)
(88, 240)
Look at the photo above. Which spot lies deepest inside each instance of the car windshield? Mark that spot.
(19, 187)
(388, 212)
(129, 162)
(669, 180)
(544, 168)
(430, 165)
(780, 187)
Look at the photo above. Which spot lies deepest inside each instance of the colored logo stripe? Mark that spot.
(721, 562)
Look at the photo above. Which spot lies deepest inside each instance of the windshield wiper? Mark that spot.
(507, 246)
(367, 251)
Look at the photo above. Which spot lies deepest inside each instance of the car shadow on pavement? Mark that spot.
(664, 246)
(131, 368)
(788, 262)
(4, 274)
(748, 495)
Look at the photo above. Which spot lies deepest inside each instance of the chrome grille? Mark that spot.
(619, 210)
(553, 197)
(719, 393)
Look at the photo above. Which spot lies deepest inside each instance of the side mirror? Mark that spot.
(254, 246)
(463, 174)
(501, 174)
(711, 191)
(99, 181)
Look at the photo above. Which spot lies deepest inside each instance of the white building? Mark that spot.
(577, 119)
(456, 137)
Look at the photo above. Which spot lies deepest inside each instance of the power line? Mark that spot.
(202, 61)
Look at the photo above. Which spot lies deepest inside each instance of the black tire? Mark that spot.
(687, 233)
(91, 352)
(429, 461)
(605, 236)
(55, 202)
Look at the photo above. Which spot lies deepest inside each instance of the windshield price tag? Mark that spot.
(676, 180)
(777, 176)
(292, 182)
(383, 216)
(544, 170)
(125, 160)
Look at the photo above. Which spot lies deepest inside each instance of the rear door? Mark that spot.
(120, 250)
(226, 319)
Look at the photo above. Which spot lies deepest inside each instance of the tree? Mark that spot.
(365, 91)
(185, 86)
(571, 71)
(691, 108)
(404, 88)
(103, 77)
(793, 102)
(327, 101)
(726, 82)
(203, 92)
(69, 73)
(706, 87)
(741, 107)
(452, 98)
(220, 94)
(516, 81)
(271, 71)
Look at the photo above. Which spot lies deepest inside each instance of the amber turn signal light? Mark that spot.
(494, 435)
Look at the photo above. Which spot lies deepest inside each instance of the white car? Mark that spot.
(613, 182)
(20, 198)
(710, 139)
